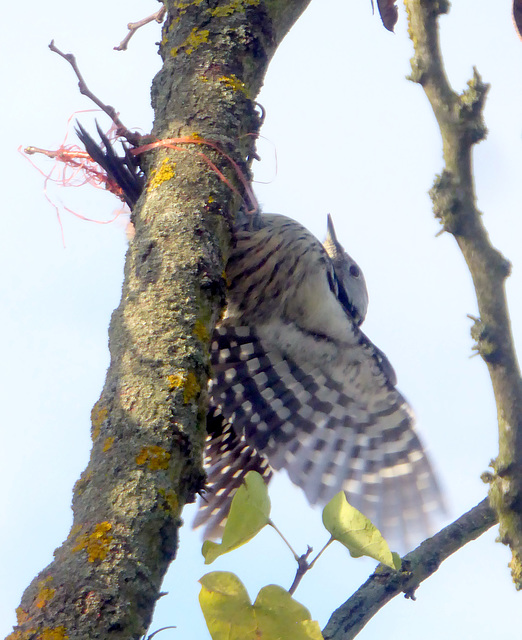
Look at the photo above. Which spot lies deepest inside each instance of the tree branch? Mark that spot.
(157, 16)
(454, 202)
(148, 427)
(346, 622)
(121, 130)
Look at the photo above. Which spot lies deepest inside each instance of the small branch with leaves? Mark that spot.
(249, 513)
(384, 584)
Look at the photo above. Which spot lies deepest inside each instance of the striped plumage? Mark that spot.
(298, 386)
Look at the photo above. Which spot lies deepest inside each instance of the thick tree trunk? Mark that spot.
(148, 426)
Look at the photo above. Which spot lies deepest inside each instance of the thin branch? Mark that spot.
(157, 16)
(303, 565)
(56, 154)
(121, 130)
(460, 119)
(302, 561)
(160, 630)
(321, 553)
(302, 568)
(346, 622)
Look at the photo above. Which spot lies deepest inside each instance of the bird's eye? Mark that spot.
(354, 271)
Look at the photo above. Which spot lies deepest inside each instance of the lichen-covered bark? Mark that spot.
(454, 202)
(148, 426)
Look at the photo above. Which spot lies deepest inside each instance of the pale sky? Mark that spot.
(354, 139)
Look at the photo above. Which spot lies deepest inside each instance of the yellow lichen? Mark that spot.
(175, 381)
(75, 530)
(165, 172)
(99, 414)
(82, 482)
(21, 615)
(234, 83)
(171, 499)
(235, 5)
(96, 543)
(191, 388)
(194, 40)
(183, 5)
(45, 593)
(154, 457)
(108, 443)
(201, 331)
(58, 633)
(210, 199)
(188, 380)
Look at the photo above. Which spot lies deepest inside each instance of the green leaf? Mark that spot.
(249, 513)
(353, 529)
(397, 562)
(226, 607)
(275, 615)
(279, 616)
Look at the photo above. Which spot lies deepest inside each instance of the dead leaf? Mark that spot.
(390, 13)
(517, 16)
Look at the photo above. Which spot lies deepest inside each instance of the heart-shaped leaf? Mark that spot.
(353, 529)
(249, 513)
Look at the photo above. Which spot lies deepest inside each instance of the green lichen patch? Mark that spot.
(192, 388)
(58, 633)
(82, 482)
(195, 39)
(229, 8)
(171, 500)
(201, 331)
(99, 414)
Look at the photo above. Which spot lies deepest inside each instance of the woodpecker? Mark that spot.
(296, 384)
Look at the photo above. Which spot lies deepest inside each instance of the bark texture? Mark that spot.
(460, 119)
(148, 427)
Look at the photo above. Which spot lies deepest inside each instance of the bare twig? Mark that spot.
(121, 130)
(160, 630)
(157, 16)
(59, 153)
(302, 561)
(303, 565)
(302, 568)
(346, 622)
(454, 202)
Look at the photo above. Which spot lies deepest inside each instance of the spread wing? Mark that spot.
(333, 423)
